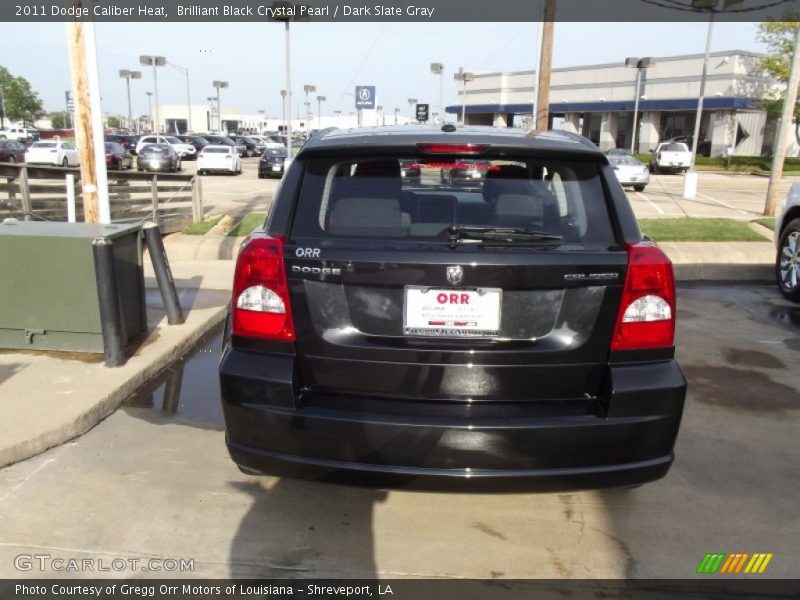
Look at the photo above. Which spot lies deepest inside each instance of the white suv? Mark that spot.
(787, 242)
(184, 150)
(19, 134)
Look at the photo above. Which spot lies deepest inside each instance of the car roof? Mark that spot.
(223, 146)
(408, 136)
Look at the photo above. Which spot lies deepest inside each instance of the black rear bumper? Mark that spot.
(628, 441)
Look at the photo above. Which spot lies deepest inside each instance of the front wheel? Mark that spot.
(787, 263)
(12, 159)
(638, 188)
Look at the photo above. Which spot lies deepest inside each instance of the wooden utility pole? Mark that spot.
(779, 153)
(84, 137)
(545, 67)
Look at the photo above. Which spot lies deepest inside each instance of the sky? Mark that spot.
(335, 57)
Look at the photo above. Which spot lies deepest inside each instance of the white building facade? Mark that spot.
(597, 101)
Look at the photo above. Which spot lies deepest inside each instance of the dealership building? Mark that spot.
(598, 102)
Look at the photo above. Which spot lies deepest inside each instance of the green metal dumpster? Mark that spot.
(48, 290)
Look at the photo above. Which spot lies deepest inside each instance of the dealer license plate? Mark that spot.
(452, 312)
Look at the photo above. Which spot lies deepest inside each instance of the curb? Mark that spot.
(105, 406)
(722, 273)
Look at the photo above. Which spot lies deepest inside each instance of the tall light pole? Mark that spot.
(308, 88)
(379, 108)
(185, 71)
(150, 108)
(411, 102)
(285, 103)
(3, 107)
(639, 64)
(127, 76)
(219, 85)
(154, 61)
(396, 110)
(282, 8)
(211, 101)
(464, 77)
(438, 69)
(320, 100)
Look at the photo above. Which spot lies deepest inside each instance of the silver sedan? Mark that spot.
(629, 171)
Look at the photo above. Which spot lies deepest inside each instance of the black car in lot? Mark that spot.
(250, 145)
(158, 157)
(272, 163)
(195, 140)
(224, 140)
(432, 334)
(12, 151)
(127, 141)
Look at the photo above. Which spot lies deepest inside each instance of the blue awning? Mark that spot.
(713, 103)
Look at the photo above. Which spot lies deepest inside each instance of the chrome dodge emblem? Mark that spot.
(455, 274)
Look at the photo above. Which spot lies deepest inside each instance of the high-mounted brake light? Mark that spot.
(453, 148)
(646, 316)
(261, 306)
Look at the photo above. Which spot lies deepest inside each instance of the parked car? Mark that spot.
(629, 171)
(619, 152)
(521, 332)
(465, 173)
(219, 158)
(787, 242)
(158, 157)
(226, 141)
(195, 140)
(18, 134)
(12, 151)
(182, 149)
(52, 152)
(250, 145)
(272, 163)
(117, 157)
(128, 141)
(670, 156)
(703, 146)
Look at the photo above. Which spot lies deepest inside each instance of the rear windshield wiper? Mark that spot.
(471, 233)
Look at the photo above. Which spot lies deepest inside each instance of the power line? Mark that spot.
(680, 6)
(361, 66)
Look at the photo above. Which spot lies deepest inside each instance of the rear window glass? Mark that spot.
(675, 148)
(44, 145)
(420, 198)
(623, 160)
(216, 151)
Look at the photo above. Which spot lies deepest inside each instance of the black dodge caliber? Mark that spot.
(517, 330)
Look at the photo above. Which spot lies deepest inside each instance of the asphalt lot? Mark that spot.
(719, 195)
(154, 480)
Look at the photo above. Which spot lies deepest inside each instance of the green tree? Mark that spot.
(113, 122)
(22, 103)
(779, 39)
(59, 120)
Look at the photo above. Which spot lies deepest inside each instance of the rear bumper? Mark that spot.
(411, 445)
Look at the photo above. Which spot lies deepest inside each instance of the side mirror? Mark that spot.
(652, 150)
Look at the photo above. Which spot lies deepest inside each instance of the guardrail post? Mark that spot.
(70, 183)
(166, 284)
(108, 296)
(25, 192)
(154, 192)
(197, 200)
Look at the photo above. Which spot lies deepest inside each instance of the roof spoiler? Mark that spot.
(560, 134)
(322, 132)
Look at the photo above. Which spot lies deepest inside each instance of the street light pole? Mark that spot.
(185, 71)
(438, 69)
(463, 77)
(411, 102)
(155, 61)
(127, 76)
(396, 110)
(320, 100)
(219, 85)
(308, 88)
(3, 107)
(150, 108)
(639, 64)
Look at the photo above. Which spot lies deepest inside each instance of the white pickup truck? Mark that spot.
(670, 156)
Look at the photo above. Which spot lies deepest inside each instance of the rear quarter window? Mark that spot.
(419, 198)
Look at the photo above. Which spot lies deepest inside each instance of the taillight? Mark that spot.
(261, 306)
(646, 316)
(453, 148)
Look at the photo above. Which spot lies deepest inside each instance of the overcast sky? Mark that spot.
(333, 56)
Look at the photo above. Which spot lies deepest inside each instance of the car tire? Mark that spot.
(12, 159)
(787, 261)
(638, 188)
(65, 163)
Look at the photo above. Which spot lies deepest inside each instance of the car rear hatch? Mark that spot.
(517, 302)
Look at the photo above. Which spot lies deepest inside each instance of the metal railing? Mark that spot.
(35, 192)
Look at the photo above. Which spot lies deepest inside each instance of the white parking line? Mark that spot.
(653, 204)
(725, 204)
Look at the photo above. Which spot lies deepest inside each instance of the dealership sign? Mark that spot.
(365, 97)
